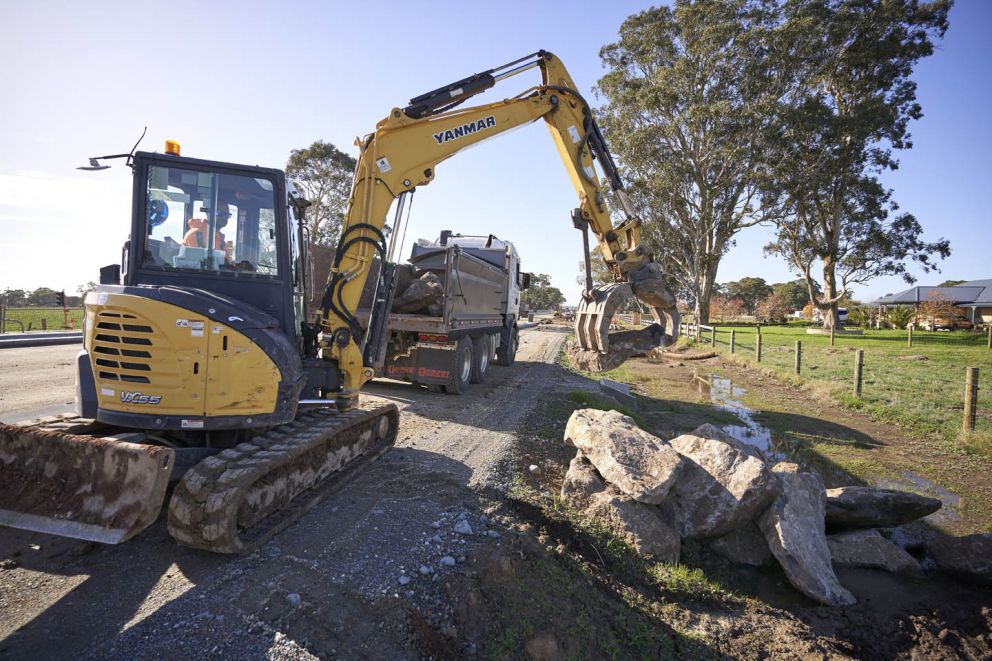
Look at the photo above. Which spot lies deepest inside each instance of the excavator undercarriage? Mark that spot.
(76, 478)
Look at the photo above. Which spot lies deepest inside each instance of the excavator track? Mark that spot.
(234, 501)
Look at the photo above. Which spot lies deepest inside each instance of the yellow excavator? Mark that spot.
(200, 370)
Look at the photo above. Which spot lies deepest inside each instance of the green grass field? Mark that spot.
(35, 319)
(921, 387)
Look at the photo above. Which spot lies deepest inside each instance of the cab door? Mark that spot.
(241, 379)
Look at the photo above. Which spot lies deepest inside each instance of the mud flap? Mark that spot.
(96, 489)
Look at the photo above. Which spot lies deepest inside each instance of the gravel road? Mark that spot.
(360, 576)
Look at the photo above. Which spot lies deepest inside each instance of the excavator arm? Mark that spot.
(403, 153)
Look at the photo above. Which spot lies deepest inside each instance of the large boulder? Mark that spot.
(420, 294)
(623, 345)
(721, 487)
(582, 483)
(637, 463)
(793, 527)
(639, 524)
(745, 545)
(867, 548)
(969, 558)
(867, 507)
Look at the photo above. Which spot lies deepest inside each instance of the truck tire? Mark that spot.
(481, 350)
(507, 352)
(461, 367)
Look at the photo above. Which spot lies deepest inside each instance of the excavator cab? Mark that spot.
(204, 316)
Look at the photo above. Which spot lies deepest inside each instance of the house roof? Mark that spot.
(974, 293)
(986, 296)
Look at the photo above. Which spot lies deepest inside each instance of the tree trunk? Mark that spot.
(702, 311)
(703, 294)
(831, 318)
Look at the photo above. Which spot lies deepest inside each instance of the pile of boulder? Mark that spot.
(710, 487)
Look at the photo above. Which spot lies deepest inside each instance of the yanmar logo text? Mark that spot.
(138, 398)
(465, 129)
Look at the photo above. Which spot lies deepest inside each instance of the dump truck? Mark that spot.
(455, 312)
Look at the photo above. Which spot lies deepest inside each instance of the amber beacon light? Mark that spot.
(172, 147)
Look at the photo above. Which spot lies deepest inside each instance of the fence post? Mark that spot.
(831, 336)
(859, 363)
(970, 397)
(799, 356)
(733, 339)
(699, 332)
(757, 346)
(3, 314)
(911, 335)
(990, 337)
(44, 324)
(713, 336)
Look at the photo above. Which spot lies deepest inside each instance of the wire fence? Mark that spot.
(923, 380)
(15, 320)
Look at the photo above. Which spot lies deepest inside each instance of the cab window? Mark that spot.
(209, 221)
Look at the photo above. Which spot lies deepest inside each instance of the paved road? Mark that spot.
(351, 579)
(36, 381)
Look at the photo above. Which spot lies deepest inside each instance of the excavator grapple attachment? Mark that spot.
(97, 489)
(595, 314)
(598, 349)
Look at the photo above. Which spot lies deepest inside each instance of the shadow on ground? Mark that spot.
(327, 585)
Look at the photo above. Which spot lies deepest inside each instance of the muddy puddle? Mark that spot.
(726, 396)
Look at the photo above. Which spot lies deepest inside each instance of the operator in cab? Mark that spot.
(196, 237)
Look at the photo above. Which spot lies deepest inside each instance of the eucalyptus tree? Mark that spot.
(850, 107)
(688, 95)
(323, 175)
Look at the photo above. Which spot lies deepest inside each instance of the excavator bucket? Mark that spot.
(97, 489)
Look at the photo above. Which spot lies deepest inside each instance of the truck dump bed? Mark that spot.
(471, 292)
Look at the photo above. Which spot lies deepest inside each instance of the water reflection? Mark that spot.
(726, 397)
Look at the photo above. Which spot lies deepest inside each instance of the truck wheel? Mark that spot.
(480, 358)
(461, 368)
(507, 352)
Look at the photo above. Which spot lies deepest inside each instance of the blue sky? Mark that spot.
(249, 81)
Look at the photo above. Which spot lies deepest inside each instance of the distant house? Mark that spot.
(975, 297)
